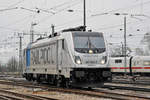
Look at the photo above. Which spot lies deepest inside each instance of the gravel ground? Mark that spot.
(129, 85)
(67, 96)
(51, 94)
(128, 92)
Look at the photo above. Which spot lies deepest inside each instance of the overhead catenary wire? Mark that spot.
(125, 8)
(61, 10)
(71, 5)
(17, 21)
(74, 21)
(119, 25)
(65, 3)
(53, 13)
(130, 7)
(7, 9)
(61, 5)
(15, 4)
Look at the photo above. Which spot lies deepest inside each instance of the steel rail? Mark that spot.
(26, 96)
(92, 93)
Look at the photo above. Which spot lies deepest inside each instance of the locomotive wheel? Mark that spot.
(67, 84)
(58, 81)
(38, 80)
(109, 79)
(58, 84)
(89, 88)
(28, 77)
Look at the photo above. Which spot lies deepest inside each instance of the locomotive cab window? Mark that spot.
(85, 42)
(118, 61)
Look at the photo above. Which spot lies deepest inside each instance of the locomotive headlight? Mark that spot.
(78, 60)
(90, 51)
(103, 60)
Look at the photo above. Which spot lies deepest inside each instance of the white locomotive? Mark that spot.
(68, 58)
(135, 65)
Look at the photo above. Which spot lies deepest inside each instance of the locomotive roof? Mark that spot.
(58, 36)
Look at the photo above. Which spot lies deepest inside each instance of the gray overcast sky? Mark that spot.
(19, 20)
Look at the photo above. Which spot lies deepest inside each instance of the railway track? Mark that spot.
(104, 94)
(113, 87)
(140, 83)
(91, 93)
(116, 86)
(120, 96)
(8, 95)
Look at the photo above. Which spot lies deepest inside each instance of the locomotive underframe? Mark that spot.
(82, 77)
(89, 76)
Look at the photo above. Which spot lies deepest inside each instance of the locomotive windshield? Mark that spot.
(85, 41)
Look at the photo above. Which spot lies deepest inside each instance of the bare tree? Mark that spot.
(144, 49)
(12, 65)
(117, 50)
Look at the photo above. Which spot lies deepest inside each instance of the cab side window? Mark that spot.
(118, 61)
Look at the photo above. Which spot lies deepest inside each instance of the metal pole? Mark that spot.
(125, 46)
(31, 32)
(122, 48)
(53, 29)
(20, 54)
(84, 15)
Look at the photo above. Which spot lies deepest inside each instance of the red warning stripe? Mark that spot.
(146, 67)
(129, 67)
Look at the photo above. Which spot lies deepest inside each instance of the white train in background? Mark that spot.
(68, 58)
(135, 65)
